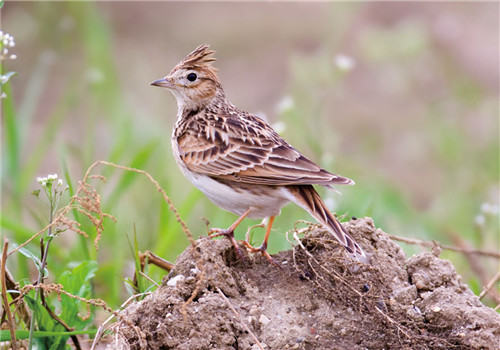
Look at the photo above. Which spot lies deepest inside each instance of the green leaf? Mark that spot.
(24, 334)
(141, 282)
(6, 77)
(33, 258)
(46, 323)
(77, 282)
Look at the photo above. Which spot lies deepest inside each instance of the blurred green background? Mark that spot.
(400, 97)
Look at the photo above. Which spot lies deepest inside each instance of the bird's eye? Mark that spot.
(191, 76)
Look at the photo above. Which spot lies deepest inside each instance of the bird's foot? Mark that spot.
(229, 233)
(263, 250)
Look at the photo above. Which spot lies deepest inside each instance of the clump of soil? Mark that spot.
(319, 299)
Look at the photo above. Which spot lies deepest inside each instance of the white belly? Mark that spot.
(261, 205)
(268, 203)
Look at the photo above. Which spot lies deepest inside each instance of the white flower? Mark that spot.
(488, 208)
(44, 180)
(285, 104)
(480, 220)
(344, 63)
(7, 39)
(94, 75)
(49, 179)
(6, 42)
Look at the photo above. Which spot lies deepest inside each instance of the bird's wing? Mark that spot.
(246, 149)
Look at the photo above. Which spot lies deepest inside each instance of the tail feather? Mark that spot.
(306, 197)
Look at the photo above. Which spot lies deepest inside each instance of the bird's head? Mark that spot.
(193, 81)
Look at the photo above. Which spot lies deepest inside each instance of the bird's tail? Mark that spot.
(306, 197)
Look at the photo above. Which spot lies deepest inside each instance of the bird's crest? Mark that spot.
(201, 56)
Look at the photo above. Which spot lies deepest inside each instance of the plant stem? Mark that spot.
(42, 268)
(5, 301)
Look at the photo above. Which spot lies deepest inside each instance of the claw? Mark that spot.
(229, 233)
(263, 250)
(217, 232)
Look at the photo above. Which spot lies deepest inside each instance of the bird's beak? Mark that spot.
(163, 82)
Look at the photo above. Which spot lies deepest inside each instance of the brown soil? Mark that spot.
(319, 299)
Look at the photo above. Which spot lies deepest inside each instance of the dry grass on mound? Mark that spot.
(319, 299)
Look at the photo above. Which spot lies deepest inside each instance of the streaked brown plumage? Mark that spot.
(236, 158)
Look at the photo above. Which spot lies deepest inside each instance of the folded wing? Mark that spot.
(245, 149)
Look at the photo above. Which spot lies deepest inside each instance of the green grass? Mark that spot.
(470, 167)
(23, 334)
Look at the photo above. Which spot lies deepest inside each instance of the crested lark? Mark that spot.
(237, 160)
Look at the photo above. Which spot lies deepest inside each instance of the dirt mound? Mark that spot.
(319, 299)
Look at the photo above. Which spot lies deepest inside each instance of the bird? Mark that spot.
(238, 160)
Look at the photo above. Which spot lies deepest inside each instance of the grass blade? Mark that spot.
(11, 154)
(83, 241)
(139, 161)
(23, 334)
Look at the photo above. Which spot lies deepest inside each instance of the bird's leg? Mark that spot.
(229, 232)
(263, 247)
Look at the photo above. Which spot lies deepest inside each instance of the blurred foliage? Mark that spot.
(89, 117)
